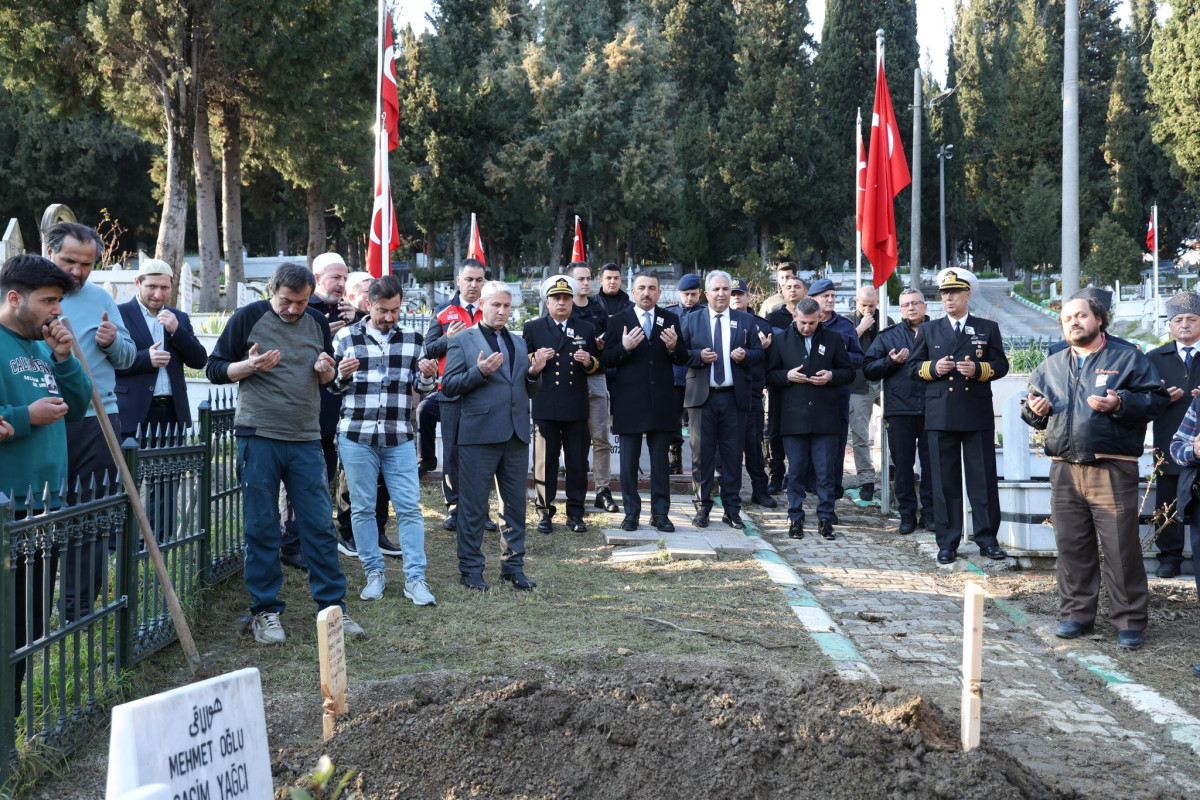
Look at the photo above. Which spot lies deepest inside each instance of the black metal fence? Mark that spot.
(81, 603)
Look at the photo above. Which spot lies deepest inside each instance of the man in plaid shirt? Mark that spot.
(380, 366)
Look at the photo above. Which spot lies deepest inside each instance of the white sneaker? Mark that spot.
(376, 580)
(417, 590)
(267, 629)
(350, 627)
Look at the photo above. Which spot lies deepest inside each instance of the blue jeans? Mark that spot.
(362, 464)
(262, 465)
(810, 454)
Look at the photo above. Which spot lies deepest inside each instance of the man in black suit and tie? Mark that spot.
(642, 342)
(1179, 369)
(723, 348)
(490, 373)
(152, 393)
(808, 362)
(957, 357)
(560, 408)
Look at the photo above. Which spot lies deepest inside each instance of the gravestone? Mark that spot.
(204, 740)
(331, 649)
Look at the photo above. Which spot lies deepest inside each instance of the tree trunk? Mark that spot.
(173, 224)
(206, 212)
(556, 244)
(314, 201)
(456, 229)
(231, 197)
(1007, 263)
(764, 241)
(281, 236)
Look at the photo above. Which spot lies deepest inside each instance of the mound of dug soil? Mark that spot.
(654, 731)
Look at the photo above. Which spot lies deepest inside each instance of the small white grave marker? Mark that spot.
(207, 740)
(331, 647)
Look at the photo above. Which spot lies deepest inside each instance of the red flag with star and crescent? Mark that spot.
(1151, 235)
(387, 137)
(887, 173)
(577, 254)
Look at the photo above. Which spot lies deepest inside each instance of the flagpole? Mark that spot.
(857, 202)
(1157, 299)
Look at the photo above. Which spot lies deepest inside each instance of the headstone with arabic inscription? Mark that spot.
(331, 649)
(204, 740)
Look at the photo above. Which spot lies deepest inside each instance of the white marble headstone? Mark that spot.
(204, 740)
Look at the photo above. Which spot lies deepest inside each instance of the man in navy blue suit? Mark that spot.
(152, 392)
(723, 349)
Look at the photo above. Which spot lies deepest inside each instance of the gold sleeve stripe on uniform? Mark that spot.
(986, 371)
(924, 371)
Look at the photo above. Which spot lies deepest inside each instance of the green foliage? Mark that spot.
(318, 787)
(1038, 238)
(1113, 256)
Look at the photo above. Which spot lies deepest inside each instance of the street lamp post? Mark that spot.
(945, 153)
(914, 277)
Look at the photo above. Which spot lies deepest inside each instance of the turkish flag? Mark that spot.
(860, 176)
(379, 263)
(389, 96)
(475, 244)
(577, 249)
(886, 174)
(1151, 235)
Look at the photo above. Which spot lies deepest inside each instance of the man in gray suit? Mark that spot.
(494, 377)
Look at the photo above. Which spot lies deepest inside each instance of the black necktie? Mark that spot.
(958, 327)
(719, 349)
(1187, 358)
(471, 312)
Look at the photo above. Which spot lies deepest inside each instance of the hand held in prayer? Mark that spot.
(944, 366)
(708, 355)
(490, 364)
(158, 358)
(347, 366)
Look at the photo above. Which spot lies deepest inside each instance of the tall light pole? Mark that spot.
(914, 274)
(1070, 152)
(945, 153)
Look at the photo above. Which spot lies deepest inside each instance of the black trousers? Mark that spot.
(756, 464)
(682, 414)
(449, 412)
(1170, 538)
(429, 414)
(949, 450)
(716, 429)
(571, 438)
(776, 455)
(659, 444)
(907, 440)
(89, 462)
(839, 466)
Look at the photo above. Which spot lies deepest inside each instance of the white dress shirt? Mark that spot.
(724, 354)
(162, 384)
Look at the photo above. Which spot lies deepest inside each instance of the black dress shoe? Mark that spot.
(825, 528)
(294, 560)
(866, 492)
(450, 523)
(518, 581)
(833, 518)
(1068, 629)
(701, 518)
(426, 465)
(1130, 640)
(604, 499)
(993, 551)
(774, 488)
(926, 522)
(630, 523)
(947, 556)
(662, 524)
(489, 525)
(907, 525)
(576, 525)
(1167, 570)
(796, 529)
(1196, 670)
(544, 525)
(764, 500)
(733, 520)
(473, 581)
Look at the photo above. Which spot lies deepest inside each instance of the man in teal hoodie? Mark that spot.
(42, 387)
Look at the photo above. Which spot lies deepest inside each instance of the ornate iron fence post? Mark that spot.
(8, 643)
(204, 554)
(127, 569)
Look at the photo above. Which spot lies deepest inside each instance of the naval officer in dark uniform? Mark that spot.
(957, 357)
(560, 408)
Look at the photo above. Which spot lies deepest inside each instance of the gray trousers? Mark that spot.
(508, 464)
(1090, 500)
(599, 430)
(861, 406)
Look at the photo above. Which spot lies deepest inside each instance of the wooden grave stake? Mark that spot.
(331, 646)
(972, 669)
